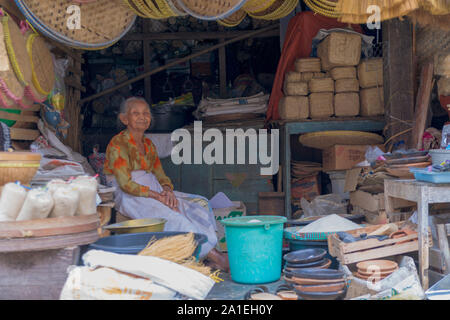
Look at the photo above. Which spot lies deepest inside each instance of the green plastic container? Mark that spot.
(255, 245)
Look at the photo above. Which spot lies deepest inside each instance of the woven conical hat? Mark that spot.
(7, 75)
(43, 71)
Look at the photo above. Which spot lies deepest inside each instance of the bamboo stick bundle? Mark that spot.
(176, 249)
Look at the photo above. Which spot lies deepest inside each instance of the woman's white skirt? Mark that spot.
(193, 217)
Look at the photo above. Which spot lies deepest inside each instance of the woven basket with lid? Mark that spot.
(18, 166)
(103, 22)
(211, 9)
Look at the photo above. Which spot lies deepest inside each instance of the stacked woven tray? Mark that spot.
(90, 26)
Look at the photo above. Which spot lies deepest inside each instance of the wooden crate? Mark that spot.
(348, 253)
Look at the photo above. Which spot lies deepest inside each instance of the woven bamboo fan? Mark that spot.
(103, 22)
(326, 139)
(234, 20)
(211, 9)
(278, 10)
(43, 72)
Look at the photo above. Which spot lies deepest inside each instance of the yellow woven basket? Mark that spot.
(18, 166)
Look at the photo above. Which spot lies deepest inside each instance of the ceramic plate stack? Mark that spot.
(103, 22)
(375, 270)
(318, 284)
(307, 258)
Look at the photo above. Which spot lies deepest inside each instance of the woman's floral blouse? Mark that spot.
(123, 157)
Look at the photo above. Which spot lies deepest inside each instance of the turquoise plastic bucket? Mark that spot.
(255, 245)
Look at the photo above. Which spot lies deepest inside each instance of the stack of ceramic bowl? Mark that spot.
(317, 284)
(307, 258)
(375, 270)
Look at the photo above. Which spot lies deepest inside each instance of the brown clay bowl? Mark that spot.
(383, 265)
(321, 287)
(368, 274)
(375, 278)
(325, 264)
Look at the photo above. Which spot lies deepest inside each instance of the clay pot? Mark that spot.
(402, 233)
(336, 295)
(305, 281)
(305, 256)
(313, 273)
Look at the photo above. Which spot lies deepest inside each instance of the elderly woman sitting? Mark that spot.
(142, 188)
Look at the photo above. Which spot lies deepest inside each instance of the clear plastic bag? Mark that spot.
(323, 205)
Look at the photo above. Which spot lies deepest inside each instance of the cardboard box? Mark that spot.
(343, 157)
(307, 188)
(375, 202)
(238, 210)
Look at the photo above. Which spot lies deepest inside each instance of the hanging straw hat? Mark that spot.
(234, 20)
(211, 9)
(103, 22)
(41, 60)
(326, 139)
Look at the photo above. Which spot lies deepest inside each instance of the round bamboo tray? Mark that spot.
(234, 20)
(211, 9)
(173, 4)
(18, 166)
(254, 6)
(326, 139)
(278, 10)
(104, 22)
(42, 68)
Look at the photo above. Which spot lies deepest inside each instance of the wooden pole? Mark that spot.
(178, 61)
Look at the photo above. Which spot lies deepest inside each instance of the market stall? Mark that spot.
(172, 150)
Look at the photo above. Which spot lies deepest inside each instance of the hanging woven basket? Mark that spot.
(211, 9)
(103, 22)
(255, 6)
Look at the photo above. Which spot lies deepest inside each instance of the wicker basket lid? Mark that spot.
(103, 22)
(20, 156)
(43, 71)
(211, 9)
(326, 139)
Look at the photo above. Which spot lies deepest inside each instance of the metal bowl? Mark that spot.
(138, 226)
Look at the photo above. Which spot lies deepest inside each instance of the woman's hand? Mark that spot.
(169, 196)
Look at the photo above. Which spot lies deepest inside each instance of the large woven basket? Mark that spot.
(18, 166)
(211, 9)
(103, 22)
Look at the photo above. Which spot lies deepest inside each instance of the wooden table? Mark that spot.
(288, 128)
(424, 194)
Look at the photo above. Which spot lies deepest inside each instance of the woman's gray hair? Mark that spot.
(125, 106)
